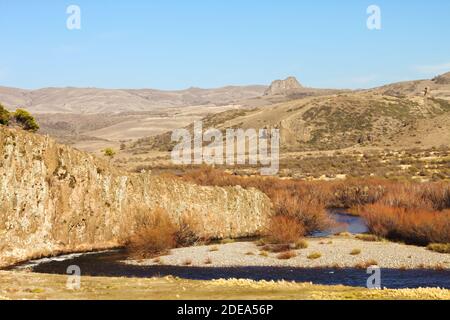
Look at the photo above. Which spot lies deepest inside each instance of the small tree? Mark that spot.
(109, 152)
(4, 116)
(25, 120)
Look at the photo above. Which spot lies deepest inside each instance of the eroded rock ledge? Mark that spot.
(55, 199)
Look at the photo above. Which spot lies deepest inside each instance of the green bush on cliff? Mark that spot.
(4, 116)
(25, 120)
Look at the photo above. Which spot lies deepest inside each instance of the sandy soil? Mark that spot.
(334, 251)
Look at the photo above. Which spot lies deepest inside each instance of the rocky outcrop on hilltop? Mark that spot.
(55, 199)
(442, 79)
(283, 87)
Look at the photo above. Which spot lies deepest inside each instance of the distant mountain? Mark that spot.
(94, 101)
(310, 119)
(397, 115)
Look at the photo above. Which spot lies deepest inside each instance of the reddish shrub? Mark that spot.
(154, 235)
(284, 230)
(408, 211)
(415, 226)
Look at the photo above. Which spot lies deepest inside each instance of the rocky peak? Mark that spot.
(443, 79)
(282, 87)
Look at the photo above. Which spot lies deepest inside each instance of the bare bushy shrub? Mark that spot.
(414, 226)
(284, 230)
(154, 235)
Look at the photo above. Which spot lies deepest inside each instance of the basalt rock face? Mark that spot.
(54, 199)
(283, 87)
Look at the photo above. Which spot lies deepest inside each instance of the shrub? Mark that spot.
(208, 261)
(301, 244)
(109, 152)
(296, 199)
(355, 252)
(367, 237)
(413, 226)
(366, 264)
(284, 230)
(439, 247)
(286, 255)
(307, 201)
(264, 254)
(188, 231)
(4, 116)
(24, 119)
(277, 247)
(314, 256)
(154, 235)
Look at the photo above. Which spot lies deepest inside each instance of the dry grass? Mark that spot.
(286, 255)
(368, 237)
(213, 249)
(276, 248)
(314, 256)
(301, 244)
(355, 252)
(208, 261)
(264, 254)
(261, 242)
(366, 264)
(439, 247)
(227, 241)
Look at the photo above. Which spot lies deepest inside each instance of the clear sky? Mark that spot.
(175, 44)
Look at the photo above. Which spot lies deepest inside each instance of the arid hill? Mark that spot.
(91, 118)
(406, 114)
(438, 87)
(341, 121)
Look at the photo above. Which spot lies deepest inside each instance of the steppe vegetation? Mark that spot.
(20, 118)
(412, 212)
(156, 233)
(15, 285)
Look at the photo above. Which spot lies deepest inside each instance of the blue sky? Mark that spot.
(175, 44)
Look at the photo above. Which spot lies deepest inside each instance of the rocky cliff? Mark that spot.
(55, 199)
(283, 87)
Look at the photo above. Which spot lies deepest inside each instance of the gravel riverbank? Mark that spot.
(334, 252)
